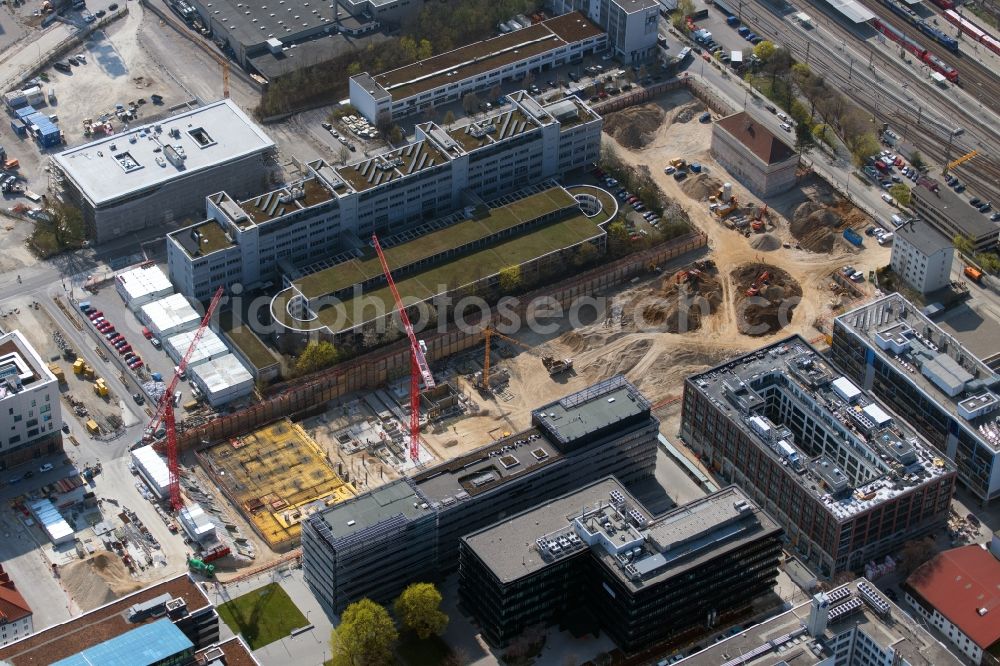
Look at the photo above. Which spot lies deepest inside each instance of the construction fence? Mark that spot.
(310, 394)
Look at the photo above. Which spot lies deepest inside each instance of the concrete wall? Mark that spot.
(372, 370)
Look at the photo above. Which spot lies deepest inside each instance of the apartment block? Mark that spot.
(329, 215)
(30, 409)
(930, 379)
(632, 26)
(478, 67)
(922, 257)
(599, 553)
(416, 524)
(847, 480)
(16, 618)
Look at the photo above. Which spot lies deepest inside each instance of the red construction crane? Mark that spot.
(418, 364)
(165, 410)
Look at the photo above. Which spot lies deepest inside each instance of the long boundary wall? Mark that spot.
(372, 370)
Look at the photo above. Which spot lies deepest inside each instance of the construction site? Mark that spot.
(272, 475)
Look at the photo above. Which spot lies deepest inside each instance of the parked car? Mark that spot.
(47, 467)
(705, 117)
(786, 127)
(155, 342)
(975, 201)
(771, 108)
(139, 400)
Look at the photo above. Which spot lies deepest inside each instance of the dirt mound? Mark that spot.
(700, 187)
(765, 242)
(635, 126)
(817, 223)
(680, 302)
(574, 341)
(764, 303)
(98, 580)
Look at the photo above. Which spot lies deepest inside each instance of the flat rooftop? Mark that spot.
(482, 262)
(783, 639)
(639, 549)
(923, 236)
(956, 208)
(396, 498)
(474, 59)
(19, 359)
(943, 368)
(899, 460)
(251, 24)
(255, 351)
(147, 156)
(387, 167)
(68, 638)
(523, 452)
(506, 125)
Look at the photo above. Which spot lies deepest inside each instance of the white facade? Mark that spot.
(223, 380)
(16, 629)
(142, 285)
(478, 67)
(153, 469)
(30, 411)
(921, 260)
(249, 242)
(169, 316)
(632, 25)
(955, 636)
(196, 523)
(209, 346)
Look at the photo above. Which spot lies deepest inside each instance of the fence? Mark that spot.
(638, 97)
(367, 372)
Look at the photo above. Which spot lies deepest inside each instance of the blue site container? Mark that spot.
(853, 237)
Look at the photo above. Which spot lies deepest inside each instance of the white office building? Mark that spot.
(332, 212)
(477, 67)
(30, 414)
(160, 173)
(223, 380)
(142, 285)
(632, 25)
(922, 256)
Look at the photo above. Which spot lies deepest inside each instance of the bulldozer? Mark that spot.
(758, 284)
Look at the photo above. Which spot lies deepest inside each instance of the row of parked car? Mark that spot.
(627, 197)
(114, 338)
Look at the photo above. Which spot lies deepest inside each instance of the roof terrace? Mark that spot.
(891, 458)
(933, 360)
(390, 166)
(288, 199)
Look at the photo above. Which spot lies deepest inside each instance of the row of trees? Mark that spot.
(367, 635)
(440, 26)
(988, 261)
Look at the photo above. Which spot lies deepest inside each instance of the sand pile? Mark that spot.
(765, 242)
(771, 308)
(635, 126)
(679, 303)
(97, 580)
(817, 223)
(700, 186)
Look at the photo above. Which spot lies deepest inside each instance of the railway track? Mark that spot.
(866, 89)
(973, 76)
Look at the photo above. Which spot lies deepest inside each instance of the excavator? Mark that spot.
(758, 284)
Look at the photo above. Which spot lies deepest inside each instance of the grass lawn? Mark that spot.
(262, 616)
(414, 652)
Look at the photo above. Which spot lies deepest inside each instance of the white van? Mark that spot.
(897, 220)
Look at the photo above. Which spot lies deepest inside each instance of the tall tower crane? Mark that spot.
(418, 363)
(165, 410)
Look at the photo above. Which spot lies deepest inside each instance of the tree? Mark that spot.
(526, 82)
(804, 139)
(586, 254)
(364, 637)
(901, 193)
(396, 135)
(495, 92)
(470, 102)
(963, 244)
(862, 146)
(316, 356)
(419, 609)
(917, 161)
(344, 154)
(914, 553)
(618, 240)
(510, 278)
(823, 133)
(764, 50)
(449, 119)
(684, 9)
(989, 261)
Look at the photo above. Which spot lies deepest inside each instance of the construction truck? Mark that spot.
(198, 566)
(557, 365)
(678, 163)
(973, 273)
(100, 388)
(57, 372)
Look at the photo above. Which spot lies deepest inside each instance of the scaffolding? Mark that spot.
(276, 476)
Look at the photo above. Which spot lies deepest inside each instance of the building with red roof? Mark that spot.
(15, 613)
(958, 592)
(762, 161)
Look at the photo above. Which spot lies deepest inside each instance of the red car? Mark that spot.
(146, 333)
(126, 348)
(137, 365)
(104, 326)
(95, 314)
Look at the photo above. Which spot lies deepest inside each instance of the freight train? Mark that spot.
(974, 32)
(923, 26)
(925, 56)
